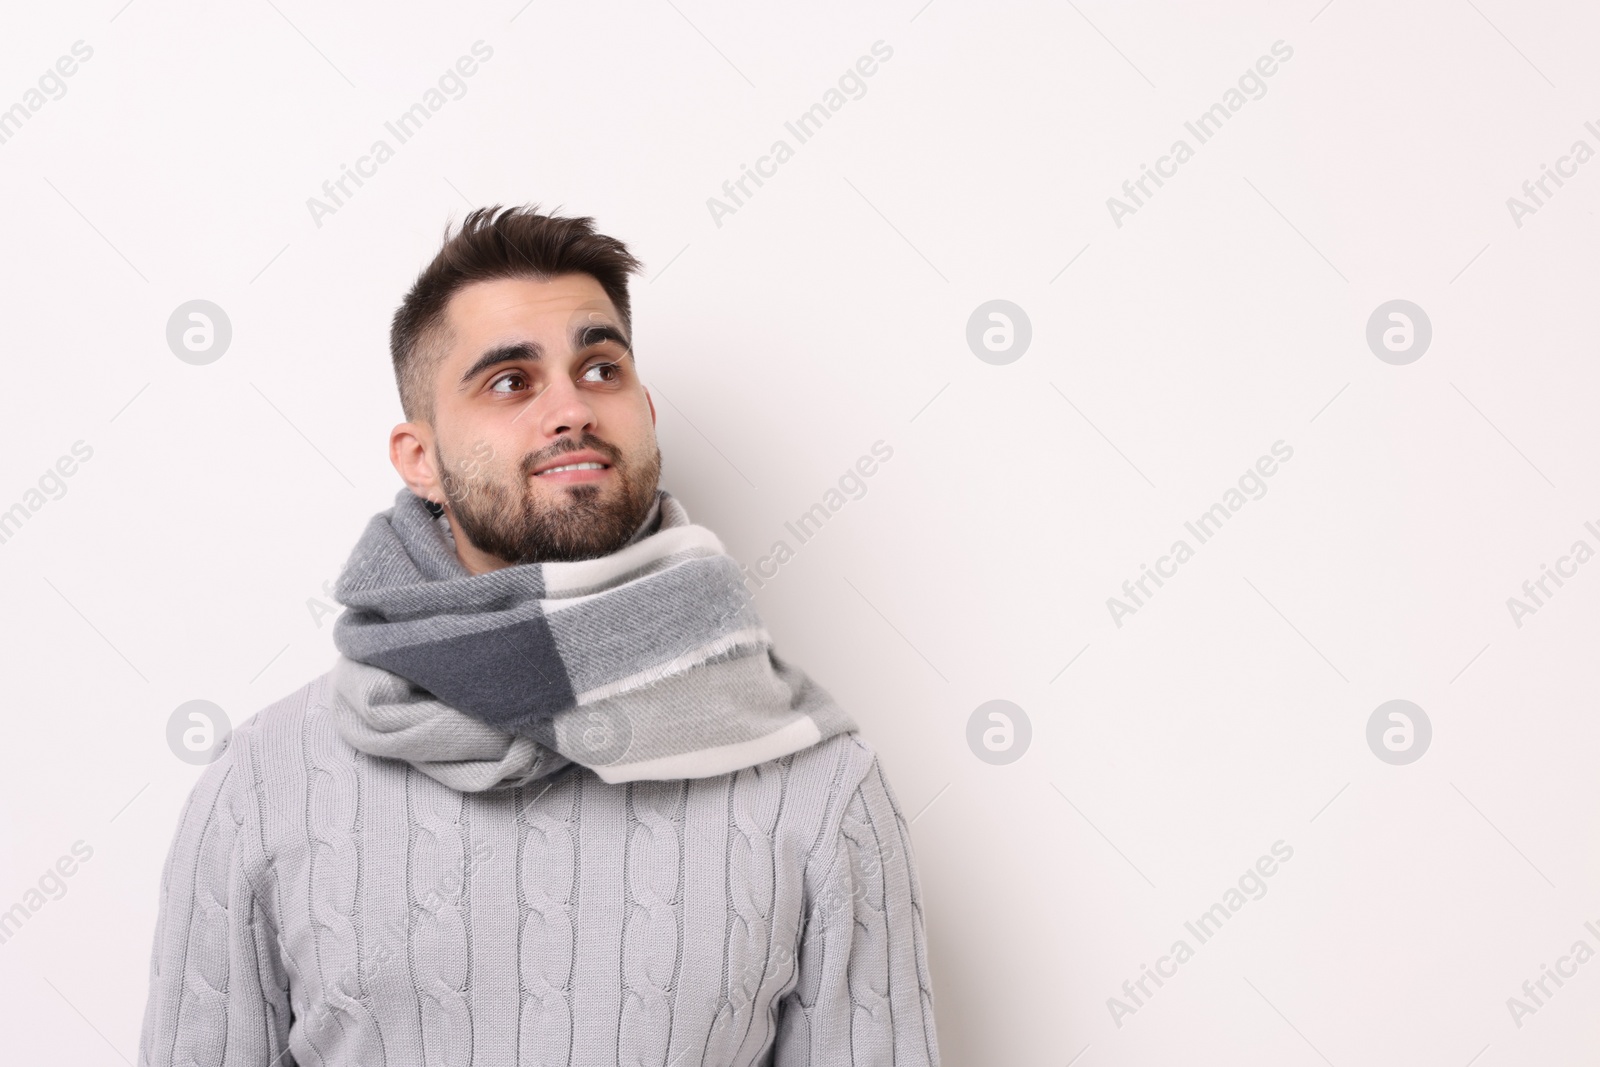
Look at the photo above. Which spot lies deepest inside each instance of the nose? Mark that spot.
(562, 408)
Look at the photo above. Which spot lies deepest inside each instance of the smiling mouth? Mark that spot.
(574, 467)
(578, 473)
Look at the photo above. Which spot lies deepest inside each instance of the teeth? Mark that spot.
(591, 466)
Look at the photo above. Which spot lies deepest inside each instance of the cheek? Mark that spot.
(627, 424)
(481, 458)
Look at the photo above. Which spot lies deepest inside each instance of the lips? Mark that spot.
(569, 459)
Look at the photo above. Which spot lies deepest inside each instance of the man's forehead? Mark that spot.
(555, 304)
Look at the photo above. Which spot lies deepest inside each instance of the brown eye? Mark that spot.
(495, 385)
(612, 367)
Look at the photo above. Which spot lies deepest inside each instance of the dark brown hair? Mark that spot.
(496, 242)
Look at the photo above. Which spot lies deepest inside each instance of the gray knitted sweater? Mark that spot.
(320, 906)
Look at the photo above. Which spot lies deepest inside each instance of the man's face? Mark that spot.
(538, 375)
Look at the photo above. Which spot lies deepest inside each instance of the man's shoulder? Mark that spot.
(842, 759)
(296, 722)
(288, 711)
(840, 773)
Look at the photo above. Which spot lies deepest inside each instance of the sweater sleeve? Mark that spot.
(217, 994)
(862, 994)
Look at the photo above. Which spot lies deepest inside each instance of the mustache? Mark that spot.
(566, 445)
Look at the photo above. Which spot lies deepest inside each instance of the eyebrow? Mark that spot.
(584, 335)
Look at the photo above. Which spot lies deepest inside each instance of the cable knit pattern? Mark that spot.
(754, 801)
(547, 895)
(652, 934)
(863, 995)
(440, 948)
(320, 906)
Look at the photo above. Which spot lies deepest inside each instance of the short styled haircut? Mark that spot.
(496, 242)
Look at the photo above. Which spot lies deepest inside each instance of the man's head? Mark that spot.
(513, 354)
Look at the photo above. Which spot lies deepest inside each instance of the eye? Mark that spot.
(613, 367)
(494, 386)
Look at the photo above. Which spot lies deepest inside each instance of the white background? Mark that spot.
(830, 311)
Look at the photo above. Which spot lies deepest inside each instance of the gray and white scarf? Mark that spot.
(648, 663)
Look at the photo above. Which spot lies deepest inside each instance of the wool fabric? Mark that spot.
(324, 906)
(647, 662)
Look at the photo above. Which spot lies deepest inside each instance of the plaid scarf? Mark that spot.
(648, 663)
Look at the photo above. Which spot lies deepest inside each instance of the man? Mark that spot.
(558, 800)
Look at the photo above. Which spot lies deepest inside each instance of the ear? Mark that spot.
(651, 401)
(411, 451)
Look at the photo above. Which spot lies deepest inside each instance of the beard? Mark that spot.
(585, 521)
